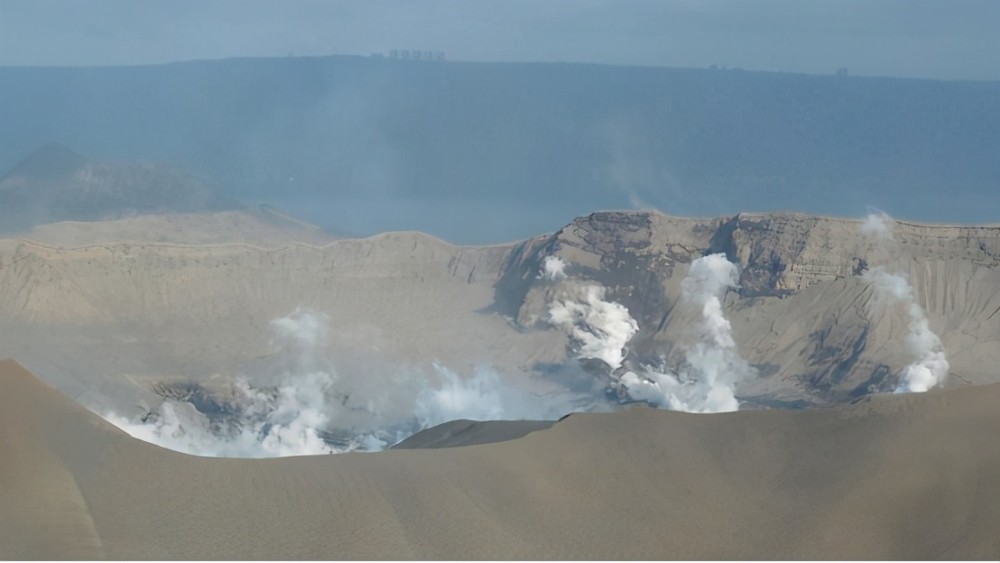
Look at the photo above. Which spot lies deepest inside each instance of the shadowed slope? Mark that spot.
(890, 477)
(44, 513)
(470, 433)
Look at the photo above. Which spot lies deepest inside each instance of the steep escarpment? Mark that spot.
(804, 313)
(147, 281)
(99, 319)
(851, 340)
(264, 226)
(132, 312)
(790, 251)
(632, 254)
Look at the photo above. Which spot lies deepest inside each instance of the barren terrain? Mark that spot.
(104, 322)
(885, 478)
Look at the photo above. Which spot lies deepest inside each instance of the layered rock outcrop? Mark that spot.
(805, 315)
(804, 312)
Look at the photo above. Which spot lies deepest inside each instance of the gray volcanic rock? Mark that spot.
(133, 314)
(125, 316)
(56, 184)
(803, 313)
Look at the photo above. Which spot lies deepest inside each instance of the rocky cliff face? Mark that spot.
(805, 315)
(137, 313)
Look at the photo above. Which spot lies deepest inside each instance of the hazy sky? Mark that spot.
(948, 39)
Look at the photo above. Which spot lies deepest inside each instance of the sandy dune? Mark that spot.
(888, 477)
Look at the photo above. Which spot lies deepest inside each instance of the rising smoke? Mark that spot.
(929, 367)
(599, 329)
(707, 381)
(280, 420)
(486, 396)
(878, 224)
(272, 423)
(553, 269)
(311, 409)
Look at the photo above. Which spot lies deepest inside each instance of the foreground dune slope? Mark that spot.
(888, 477)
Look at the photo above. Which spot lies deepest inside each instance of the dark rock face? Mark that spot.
(632, 254)
(803, 313)
(56, 184)
(633, 262)
(468, 433)
(519, 273)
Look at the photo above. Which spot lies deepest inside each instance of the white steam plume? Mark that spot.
(877, 224)
(930, 365)
(553, 269)
(707, 382)
(313, 410)
(279, 421)
(600, 329)
(485, 396)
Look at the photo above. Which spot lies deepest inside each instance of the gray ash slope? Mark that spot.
(109, 322)
(803, 315)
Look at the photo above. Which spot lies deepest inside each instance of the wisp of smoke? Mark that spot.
(930, 365)
(280, 421)
(304, 333)
(484, 396)
(707, 382)
(599, 329)
(877, 224)
(312, 410)
(553, 269)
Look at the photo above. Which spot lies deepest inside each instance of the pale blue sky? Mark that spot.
(945, 39)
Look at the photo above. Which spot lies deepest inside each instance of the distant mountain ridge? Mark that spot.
(56, 184)
(568, 138)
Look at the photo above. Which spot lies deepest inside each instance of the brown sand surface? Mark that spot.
(913, 477)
